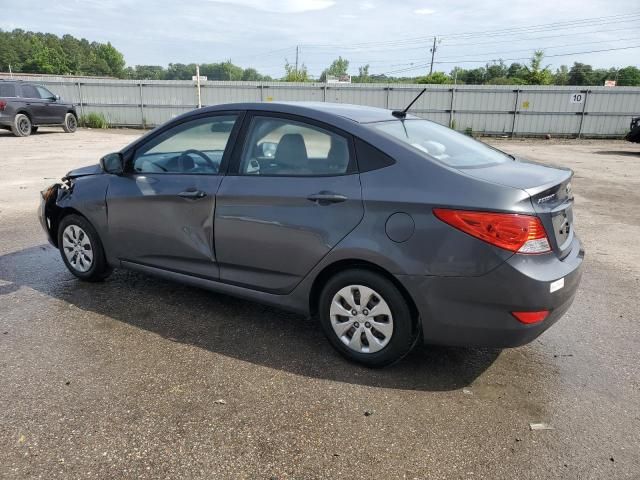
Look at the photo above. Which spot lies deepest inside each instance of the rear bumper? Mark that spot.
(476, 311)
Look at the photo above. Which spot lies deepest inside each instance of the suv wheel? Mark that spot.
(81, 249)
(21, 125)
(70, 123)
(366, 318)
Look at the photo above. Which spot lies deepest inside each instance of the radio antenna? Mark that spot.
(403, 113)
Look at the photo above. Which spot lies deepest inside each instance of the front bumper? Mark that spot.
(47, 198)
(476, 311)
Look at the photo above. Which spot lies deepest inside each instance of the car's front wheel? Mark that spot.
(21, 125)
(81, 249)
(366, 318)
(70, 123)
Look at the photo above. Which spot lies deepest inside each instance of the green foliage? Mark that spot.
(363, 75)
(295, 75)
(339, 67)
(435, 78)
(45, 53)
(536, 74)
(93, 120)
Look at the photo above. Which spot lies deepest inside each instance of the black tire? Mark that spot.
(404, 334)
(34, 130)
(70, 124)
(99, 269)
(21, 126)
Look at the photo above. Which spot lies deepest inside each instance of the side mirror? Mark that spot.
(56, 98)
(112, 163)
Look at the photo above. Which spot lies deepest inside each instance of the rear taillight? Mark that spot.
(3, 104)
(511, 231)
(531, 317)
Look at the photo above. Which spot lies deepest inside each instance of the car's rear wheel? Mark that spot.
(81, 249)
(70, 123)
(366, 318)
(21, 125)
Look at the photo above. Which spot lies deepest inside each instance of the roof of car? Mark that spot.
(356, 113)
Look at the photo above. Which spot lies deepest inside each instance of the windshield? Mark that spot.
(444, 144)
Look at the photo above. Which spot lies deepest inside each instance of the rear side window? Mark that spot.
(29, 91)
(283, 147)
(7, 90)
(442, 143)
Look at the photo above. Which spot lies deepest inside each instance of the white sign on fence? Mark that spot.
(203, 78)
(577, 98)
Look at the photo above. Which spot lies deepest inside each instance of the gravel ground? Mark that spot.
(141, 378)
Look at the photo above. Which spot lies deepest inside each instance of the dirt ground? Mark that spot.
(141, 378)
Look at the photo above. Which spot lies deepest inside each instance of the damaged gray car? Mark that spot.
(390, 228)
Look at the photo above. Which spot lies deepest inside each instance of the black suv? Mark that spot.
(24, 107)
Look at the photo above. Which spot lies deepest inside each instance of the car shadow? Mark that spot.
(624, 153)
(222, 324)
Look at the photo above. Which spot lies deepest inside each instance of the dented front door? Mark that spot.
(164, 221)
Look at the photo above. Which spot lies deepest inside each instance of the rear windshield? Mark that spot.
(7, 90)
(442, 143)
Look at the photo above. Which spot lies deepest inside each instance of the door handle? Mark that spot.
(325, 198)
(192, 194)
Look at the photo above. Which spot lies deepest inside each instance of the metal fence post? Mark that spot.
(141, 107)
(324, 92)
(515, 112)
(81, 101)
(387, 88)
(584, 108)
(262, 92)
(453, 96)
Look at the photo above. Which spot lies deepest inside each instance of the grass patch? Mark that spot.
(93, 120)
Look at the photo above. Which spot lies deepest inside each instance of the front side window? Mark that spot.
(29, 91)
(442, 143)
(282, 147)
(44, 93)
(194, 147)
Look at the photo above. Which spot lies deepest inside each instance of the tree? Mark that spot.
(579, 74)
(363, 75)
(295, 75)
(435, 78)
(495, 70)
(536, 74)
(561, 76)
(338, 68)
(629, 76)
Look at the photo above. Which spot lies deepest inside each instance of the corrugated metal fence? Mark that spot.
(485, 109)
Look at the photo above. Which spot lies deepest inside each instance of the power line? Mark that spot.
(415, 67)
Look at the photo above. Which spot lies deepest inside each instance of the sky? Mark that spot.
(390, 36)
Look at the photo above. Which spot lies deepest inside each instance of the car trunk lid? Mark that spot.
(550, 192)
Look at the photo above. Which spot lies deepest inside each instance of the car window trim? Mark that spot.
(241, 144)
(224, 162)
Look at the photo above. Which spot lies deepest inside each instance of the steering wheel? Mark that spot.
(201, 155)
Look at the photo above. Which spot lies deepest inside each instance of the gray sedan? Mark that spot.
(393, 230)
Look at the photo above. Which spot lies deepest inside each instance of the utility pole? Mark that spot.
(433, 53)
(297, 54)
(198, 85)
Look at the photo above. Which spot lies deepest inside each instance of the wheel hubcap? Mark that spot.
(71, 123)
(77, 248)
(361, 319)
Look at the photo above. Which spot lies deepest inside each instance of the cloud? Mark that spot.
(424, 11)
(281, 6)
(366, 6)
